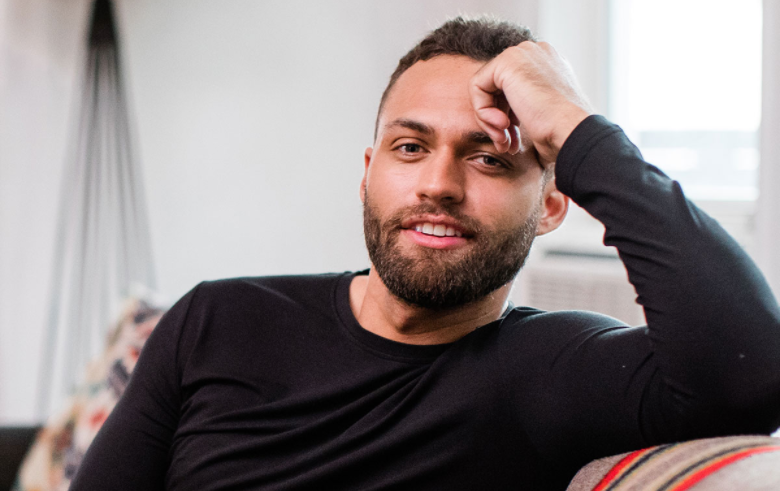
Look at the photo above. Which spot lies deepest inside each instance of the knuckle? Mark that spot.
(520, 48)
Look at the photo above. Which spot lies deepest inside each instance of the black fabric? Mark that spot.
(15, 441)
(270, 383)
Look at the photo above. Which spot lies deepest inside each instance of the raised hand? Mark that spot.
(528, 88)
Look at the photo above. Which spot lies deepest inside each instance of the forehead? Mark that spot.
(434, 90)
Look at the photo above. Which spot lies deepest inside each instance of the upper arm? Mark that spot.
(596, 387)
(131, 450)
(581, 383)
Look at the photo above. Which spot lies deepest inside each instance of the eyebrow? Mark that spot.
(475, 137)
(478, 137)
(410, 124)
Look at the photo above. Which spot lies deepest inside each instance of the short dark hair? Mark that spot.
(480, 38)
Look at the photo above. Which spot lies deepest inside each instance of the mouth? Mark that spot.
(437, 225)
(437, 230)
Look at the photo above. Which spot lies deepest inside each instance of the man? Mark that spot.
(416, 374)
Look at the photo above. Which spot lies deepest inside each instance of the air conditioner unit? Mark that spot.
(576, 280)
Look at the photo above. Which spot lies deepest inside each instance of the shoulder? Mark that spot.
(550, 352)
(272, 286)
(561, 330)
(281, 284)
(531, 318)
(228, 315)
(267, 293)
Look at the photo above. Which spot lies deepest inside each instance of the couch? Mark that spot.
(743, 463)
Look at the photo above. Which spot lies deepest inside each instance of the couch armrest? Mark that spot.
(745, 463)
(14, 443)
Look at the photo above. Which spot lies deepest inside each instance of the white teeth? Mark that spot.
(438, 230)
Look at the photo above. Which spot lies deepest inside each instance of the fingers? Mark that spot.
(512, 129)
(513, 117)
(529, 86)
(517, 144)
(491, 117)
(493, 112)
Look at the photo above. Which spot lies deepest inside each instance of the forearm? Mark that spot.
(713, 321)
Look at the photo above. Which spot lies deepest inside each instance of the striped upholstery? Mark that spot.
(743, 463)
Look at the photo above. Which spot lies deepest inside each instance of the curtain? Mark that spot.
(102, 245)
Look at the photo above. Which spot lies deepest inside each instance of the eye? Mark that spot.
(490, 161)
(410, 151)
(409, 148)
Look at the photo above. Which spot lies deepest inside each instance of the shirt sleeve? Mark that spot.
(131, 450)
(708, 361)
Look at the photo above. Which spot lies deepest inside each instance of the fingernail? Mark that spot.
(506, 136)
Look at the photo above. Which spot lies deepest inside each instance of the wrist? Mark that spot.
(566, 125)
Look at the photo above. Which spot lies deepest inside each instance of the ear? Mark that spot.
(555, 205)
(367, 158)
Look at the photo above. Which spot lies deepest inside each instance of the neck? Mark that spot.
(379, 311)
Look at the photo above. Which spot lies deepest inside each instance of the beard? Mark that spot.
(440, 279)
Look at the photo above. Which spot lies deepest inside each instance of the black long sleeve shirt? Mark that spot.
(270, 383)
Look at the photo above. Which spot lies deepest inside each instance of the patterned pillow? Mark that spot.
(58, 449)
(745, 463)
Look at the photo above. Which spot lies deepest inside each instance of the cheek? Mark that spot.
(505, 208)
(394, 185)
(381, 195)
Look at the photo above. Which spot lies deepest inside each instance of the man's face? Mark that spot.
(447, 219)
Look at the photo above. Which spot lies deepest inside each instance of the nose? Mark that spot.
(441, 179)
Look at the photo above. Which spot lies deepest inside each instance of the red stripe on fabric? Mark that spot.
(618, 468)
(714, 467)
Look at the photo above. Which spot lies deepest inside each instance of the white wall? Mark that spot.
(251, 120)
(768, 215)
(39, 48)
(579, 30)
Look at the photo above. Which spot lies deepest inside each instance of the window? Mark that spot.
(685, 78)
